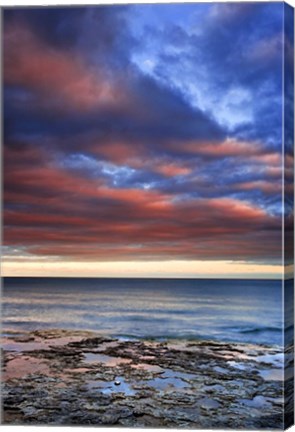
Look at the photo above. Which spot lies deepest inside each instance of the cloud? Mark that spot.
(61, 77)
(217, 65)
(126, 141)
(49, 210)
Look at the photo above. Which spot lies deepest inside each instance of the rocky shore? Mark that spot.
(58, 377)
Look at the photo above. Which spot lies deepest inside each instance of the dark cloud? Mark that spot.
(103, 154)
(56, 26)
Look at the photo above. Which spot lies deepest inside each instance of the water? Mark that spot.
(225, 310)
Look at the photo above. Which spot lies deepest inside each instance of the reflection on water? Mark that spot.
(107, 360)
(256, 402)
(170, 380)
(272, 374)
(233, 310)
(109, 387)
(20, 367)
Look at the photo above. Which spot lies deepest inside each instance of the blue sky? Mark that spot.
(144, 132)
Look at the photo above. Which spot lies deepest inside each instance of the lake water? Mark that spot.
(226, 310)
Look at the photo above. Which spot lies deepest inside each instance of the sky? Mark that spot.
(144, 140)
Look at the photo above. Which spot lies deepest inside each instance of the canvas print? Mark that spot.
(147, 255)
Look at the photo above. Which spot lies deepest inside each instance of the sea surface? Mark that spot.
(225, 310)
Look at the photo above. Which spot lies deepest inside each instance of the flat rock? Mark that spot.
(179, 384)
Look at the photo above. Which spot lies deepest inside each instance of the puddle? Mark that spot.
(220, 370)
(272, 374)
(208, 403)
(256, 402)
(109, 387)
(19, 367)
(170, 380)
(239, 366)
(9, 344)
(93, 358)
(214, 388)
(167, 384)
(169, 373)
(271, 359)
(148, 367)
(203, 366)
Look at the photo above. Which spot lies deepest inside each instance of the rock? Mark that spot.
(112, 416)
(169, 384)
(24, 339)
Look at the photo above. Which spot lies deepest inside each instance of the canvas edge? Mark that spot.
(288, 213)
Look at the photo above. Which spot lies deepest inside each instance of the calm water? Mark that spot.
(233, 310)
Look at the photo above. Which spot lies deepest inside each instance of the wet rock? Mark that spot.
(12, 401)
(25, 338)
(90, 342)
(112, 416)
(169, 384)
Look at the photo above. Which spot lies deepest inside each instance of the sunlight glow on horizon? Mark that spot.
(161, 269)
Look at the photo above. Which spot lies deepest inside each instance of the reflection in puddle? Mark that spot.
(8, 344)
(148, 367)
(214, 388)
(220, 370)
(170, 380)
(167, 384)
(105, 359)
(19, 367)
(239, 366)
(169, 373)
(207, 403)
(272, 359)
(272, 374)
(256, 402)
(109, 387)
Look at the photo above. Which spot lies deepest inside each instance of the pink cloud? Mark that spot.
(264, 186)
(56, 73)
(231, 148)
(171, 169)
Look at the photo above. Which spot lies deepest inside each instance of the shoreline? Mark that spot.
(10, 333)
(64, 377)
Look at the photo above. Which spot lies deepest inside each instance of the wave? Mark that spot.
(163, 337)
(255, 329)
